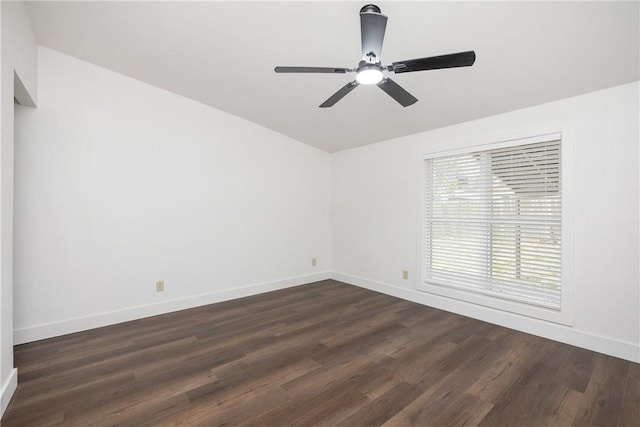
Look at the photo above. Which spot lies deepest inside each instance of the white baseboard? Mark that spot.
(54, 329)
(622, 349)
(8, 388)
(613, 347)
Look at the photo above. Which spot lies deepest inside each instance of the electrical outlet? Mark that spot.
(160, 286)
(405, 274)
(313, 262)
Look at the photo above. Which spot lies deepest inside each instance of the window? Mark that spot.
(493, 224)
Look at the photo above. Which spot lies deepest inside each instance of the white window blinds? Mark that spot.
(493, 222)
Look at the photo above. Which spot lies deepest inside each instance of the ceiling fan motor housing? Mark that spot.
(364, 65)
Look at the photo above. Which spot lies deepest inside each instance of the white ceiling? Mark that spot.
(223, 54)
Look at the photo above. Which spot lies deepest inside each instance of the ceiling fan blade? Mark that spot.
(339, 94)
(462, 59)
(372, 27)
(329, 70)
(396, 91)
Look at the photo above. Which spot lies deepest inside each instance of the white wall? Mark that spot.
(119, 184)
(376, 225)
(18, 70)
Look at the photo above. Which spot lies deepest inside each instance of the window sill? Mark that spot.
(562, 316)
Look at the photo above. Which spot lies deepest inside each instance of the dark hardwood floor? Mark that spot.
(320, 354)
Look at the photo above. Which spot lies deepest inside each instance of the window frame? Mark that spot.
(565, 314)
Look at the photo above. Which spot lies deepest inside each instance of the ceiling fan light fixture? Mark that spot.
(369, 75)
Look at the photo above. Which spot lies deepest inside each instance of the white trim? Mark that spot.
(564, 132)
(568, 222)
(568, 335)
(54, 329)
(494, 145)
(516, 307)
(8, 388)
(613, 347)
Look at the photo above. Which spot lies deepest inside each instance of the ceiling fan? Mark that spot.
(370, 70)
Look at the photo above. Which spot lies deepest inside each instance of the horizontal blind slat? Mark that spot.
(493, 222)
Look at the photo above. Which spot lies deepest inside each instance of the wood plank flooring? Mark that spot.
(320, 354)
